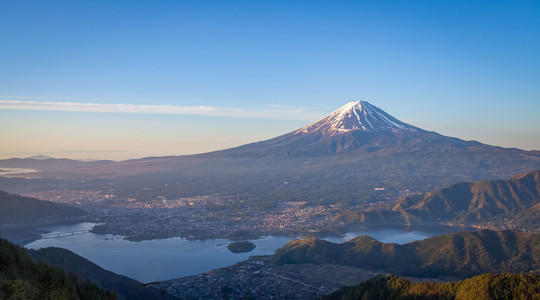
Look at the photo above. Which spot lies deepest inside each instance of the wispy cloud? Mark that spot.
(267, 113)
(281, 106)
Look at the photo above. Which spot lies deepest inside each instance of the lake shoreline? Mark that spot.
(164, 259)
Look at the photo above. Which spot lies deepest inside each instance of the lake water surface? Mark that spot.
(398, 234)
(163, 259)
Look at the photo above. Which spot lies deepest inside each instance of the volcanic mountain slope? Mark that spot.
(357, 127)
(340, 158)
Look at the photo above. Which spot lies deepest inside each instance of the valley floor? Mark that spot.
(259, 278)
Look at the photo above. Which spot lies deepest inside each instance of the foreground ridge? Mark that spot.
(22, 278)
(485, 286)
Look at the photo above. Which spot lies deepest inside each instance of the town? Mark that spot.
(259, 278)
(201, 217)
(217, 216)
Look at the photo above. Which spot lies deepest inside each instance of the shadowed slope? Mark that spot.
(15, 209)
(126, 288)
(21, 278)
(517, 198)
(456, 254)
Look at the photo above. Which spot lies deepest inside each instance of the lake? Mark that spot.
(398, 234)
(163, 259)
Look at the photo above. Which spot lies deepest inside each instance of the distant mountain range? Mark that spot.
(460, 254)
(48, 164)
(356, 154)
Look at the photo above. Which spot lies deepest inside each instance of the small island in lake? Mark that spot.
(241, 247)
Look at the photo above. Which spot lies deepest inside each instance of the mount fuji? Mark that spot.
(359, 115)
(356, 154)
(357, 127)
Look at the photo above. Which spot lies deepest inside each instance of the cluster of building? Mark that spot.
(258, 278)
(194, 219)
(199, 217)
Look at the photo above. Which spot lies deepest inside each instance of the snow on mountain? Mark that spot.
(359, 115)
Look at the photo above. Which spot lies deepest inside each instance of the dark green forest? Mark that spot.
(126, 288)
(22, 278)
(486, 286)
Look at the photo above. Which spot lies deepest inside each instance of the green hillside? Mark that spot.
(126, 288)
(517, 199)
(459, 254)
(22, 278)
(486, 286)
(496, 204)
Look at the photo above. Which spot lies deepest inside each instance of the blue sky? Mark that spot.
(242, 71)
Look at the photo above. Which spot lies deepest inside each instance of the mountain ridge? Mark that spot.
(16, 209)
(476, 201)
(459, 254)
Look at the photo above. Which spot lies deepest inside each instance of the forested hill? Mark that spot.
(126, 288)
(486, 286)
(459, 254)
(495, 204)
(22, 278)
(517, 199)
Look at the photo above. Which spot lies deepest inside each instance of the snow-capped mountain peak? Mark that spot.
(358, 115)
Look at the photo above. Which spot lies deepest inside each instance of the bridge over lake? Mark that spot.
(63, 234)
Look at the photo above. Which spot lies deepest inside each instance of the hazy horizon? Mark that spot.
(234, 141)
